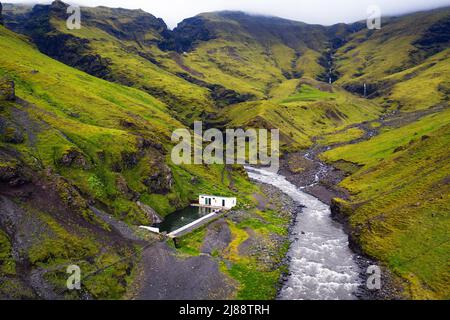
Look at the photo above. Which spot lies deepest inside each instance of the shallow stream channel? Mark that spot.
(321, 264)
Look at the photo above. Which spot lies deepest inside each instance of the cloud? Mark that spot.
(311, 11)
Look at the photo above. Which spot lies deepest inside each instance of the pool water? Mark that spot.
(181, 218)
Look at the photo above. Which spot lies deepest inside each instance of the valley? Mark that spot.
(86, 118)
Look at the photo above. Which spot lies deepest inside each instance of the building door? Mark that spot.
(223, 203)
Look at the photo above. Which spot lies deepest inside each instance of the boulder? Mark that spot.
(124, 189)
(11, 173)
(151, 214)
(7, 90)
(161, 181)
(129, 159)
(341, 209)
(74, 158)
(186, 35)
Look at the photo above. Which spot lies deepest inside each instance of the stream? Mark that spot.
(322, 266)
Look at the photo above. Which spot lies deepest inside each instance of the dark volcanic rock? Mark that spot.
(10, 133)
(186, 35)
(135, 27)
(124, 189)
(166, 276)
(7, 90)
(434, 40)
(221, 95)
(74, 158)
(218, 237)
(225, 97)
(144, 144)
(373, 90)
(129, 159)
(161, 181)
(12, 175)
(152, 215)
(1, 14)
(73, 51)
(66, 48)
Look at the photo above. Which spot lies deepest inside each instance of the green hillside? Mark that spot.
(87, 142)
(313, 109)
(86, 118)
(405, 65)
(399, 206)
(250, 54)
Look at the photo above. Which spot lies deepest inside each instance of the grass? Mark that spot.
(59, 247)
(185, 100)
(284, 89)
(70, 122)
(398, 180)
(309, 113)
(266, 222)
(56, 248)
(400, 201)
(7, 263)
(191, 244)
(429, 80)
(255, 285)
(257, 280)
(100, 122)
(384, 59)
(381, 147)
(308, 93)
(341, 137)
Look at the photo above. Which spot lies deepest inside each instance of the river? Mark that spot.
(322, 266)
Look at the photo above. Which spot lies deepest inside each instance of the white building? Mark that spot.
(216, 202)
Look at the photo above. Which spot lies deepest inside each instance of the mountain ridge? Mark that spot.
(89, 117)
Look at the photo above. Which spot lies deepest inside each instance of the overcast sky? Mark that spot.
(310, 11)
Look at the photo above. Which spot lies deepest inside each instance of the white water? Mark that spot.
(322, 266)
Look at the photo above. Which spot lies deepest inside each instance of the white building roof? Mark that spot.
(212, 196)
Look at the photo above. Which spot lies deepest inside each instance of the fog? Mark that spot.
(311, 11)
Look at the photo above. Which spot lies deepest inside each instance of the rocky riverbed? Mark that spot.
(321, 181)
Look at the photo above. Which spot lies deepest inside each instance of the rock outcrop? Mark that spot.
(186, 35)
(138, 25)
(66, 48)
(1, 16)
(74, 158)
(161, 181)
(11, 174)
(7, 90)
(151, 214)
(222, 96)
(10, 133)
(434, 40)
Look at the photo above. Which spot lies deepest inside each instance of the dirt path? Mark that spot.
(167, 276)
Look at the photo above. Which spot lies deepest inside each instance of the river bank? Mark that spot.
(321, 264)
(322, 181)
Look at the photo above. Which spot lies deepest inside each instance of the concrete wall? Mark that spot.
(217, 201)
